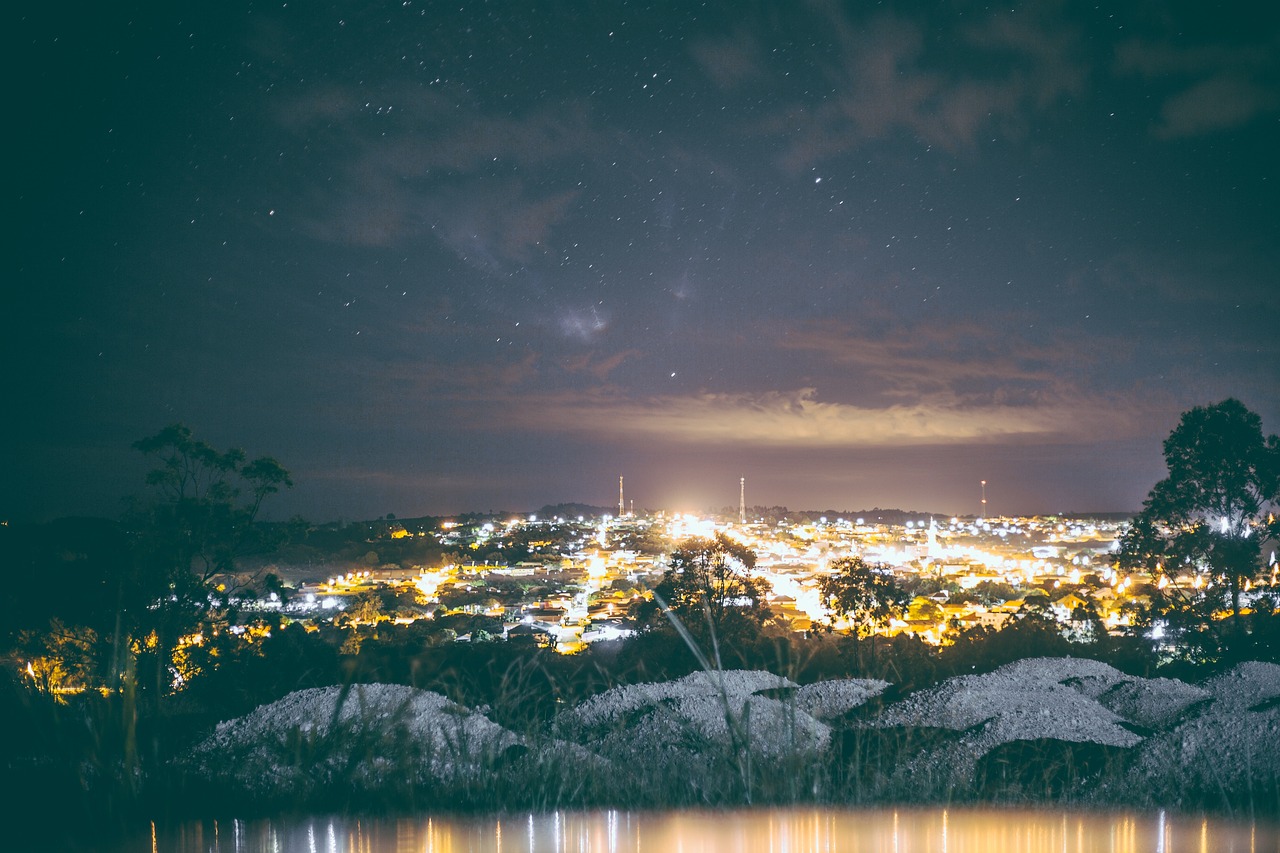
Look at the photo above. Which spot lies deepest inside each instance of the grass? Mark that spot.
(109, 765)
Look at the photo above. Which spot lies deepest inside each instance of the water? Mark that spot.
(762, 831)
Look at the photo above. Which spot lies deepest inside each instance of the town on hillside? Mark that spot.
(567, 582)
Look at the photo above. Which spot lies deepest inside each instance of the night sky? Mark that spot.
(469, 256)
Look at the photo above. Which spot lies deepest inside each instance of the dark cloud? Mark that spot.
(1220, 103)
(1205, 86)
(600, 366)
(886, 78)
(496, 226)
(413, 164)
(732, 60)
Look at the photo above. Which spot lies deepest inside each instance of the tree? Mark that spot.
(863, 594)
(197, 521)
(273, 585)
(207, 499)
(367, 609)
(59, 658)
(708, 582)
(1201, 529)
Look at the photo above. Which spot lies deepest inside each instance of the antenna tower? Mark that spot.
(742, 500)
(622, 506)
(984, 499)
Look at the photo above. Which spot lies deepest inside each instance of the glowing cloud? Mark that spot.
(799, 419)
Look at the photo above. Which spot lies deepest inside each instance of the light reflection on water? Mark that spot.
(763, 831)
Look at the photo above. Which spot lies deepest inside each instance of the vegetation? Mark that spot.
(709, 592)
(1203, 528)
(866, 596)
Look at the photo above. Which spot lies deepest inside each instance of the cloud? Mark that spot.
(958, 357)
(886, 79)
(498, 225)
(1192, 285)
(408, 164)
(1220, 103)
(582, 325)
(1215, 86)
(729, 61)
(1040, 53)
(494, 225)
(598, 367)
(799, 419)
(428, 390)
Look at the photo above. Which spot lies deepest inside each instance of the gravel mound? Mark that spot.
(1227, 756)
(362, 739)
(827, 700)
(699, 739)
(1245, 686)
(702, 709)
(736, 686)
(1023, 701)
(1144, 742)
(1153, 703)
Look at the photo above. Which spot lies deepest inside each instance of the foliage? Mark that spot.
(367, 609)
(198, 521)
(708, 583)
(982, 649)
(991, 592)
(200, 517)
(646, 539)
(59, 658)
(1207, 520)
(864, 594)
(925, 610)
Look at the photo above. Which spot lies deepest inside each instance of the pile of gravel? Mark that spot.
(362, 738)
(827, 700)
(701, 710)
(1226, 755)
(1163, 742)
(1024, 701)
(710, 737)
(1153, 703)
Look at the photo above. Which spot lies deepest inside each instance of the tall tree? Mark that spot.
(865, 595)
(197, 521)
(205, 500)
(1210, 517)
(708, 582)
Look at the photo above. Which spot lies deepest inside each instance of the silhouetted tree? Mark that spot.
(1208, 518)
(59, 657)
(196, 522)
(865, 595)
(708, 583)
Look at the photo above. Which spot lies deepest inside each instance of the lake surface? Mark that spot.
(760, 831)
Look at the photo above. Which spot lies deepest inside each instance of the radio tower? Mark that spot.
(622, 506)
(742, 500)
(984, 498)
